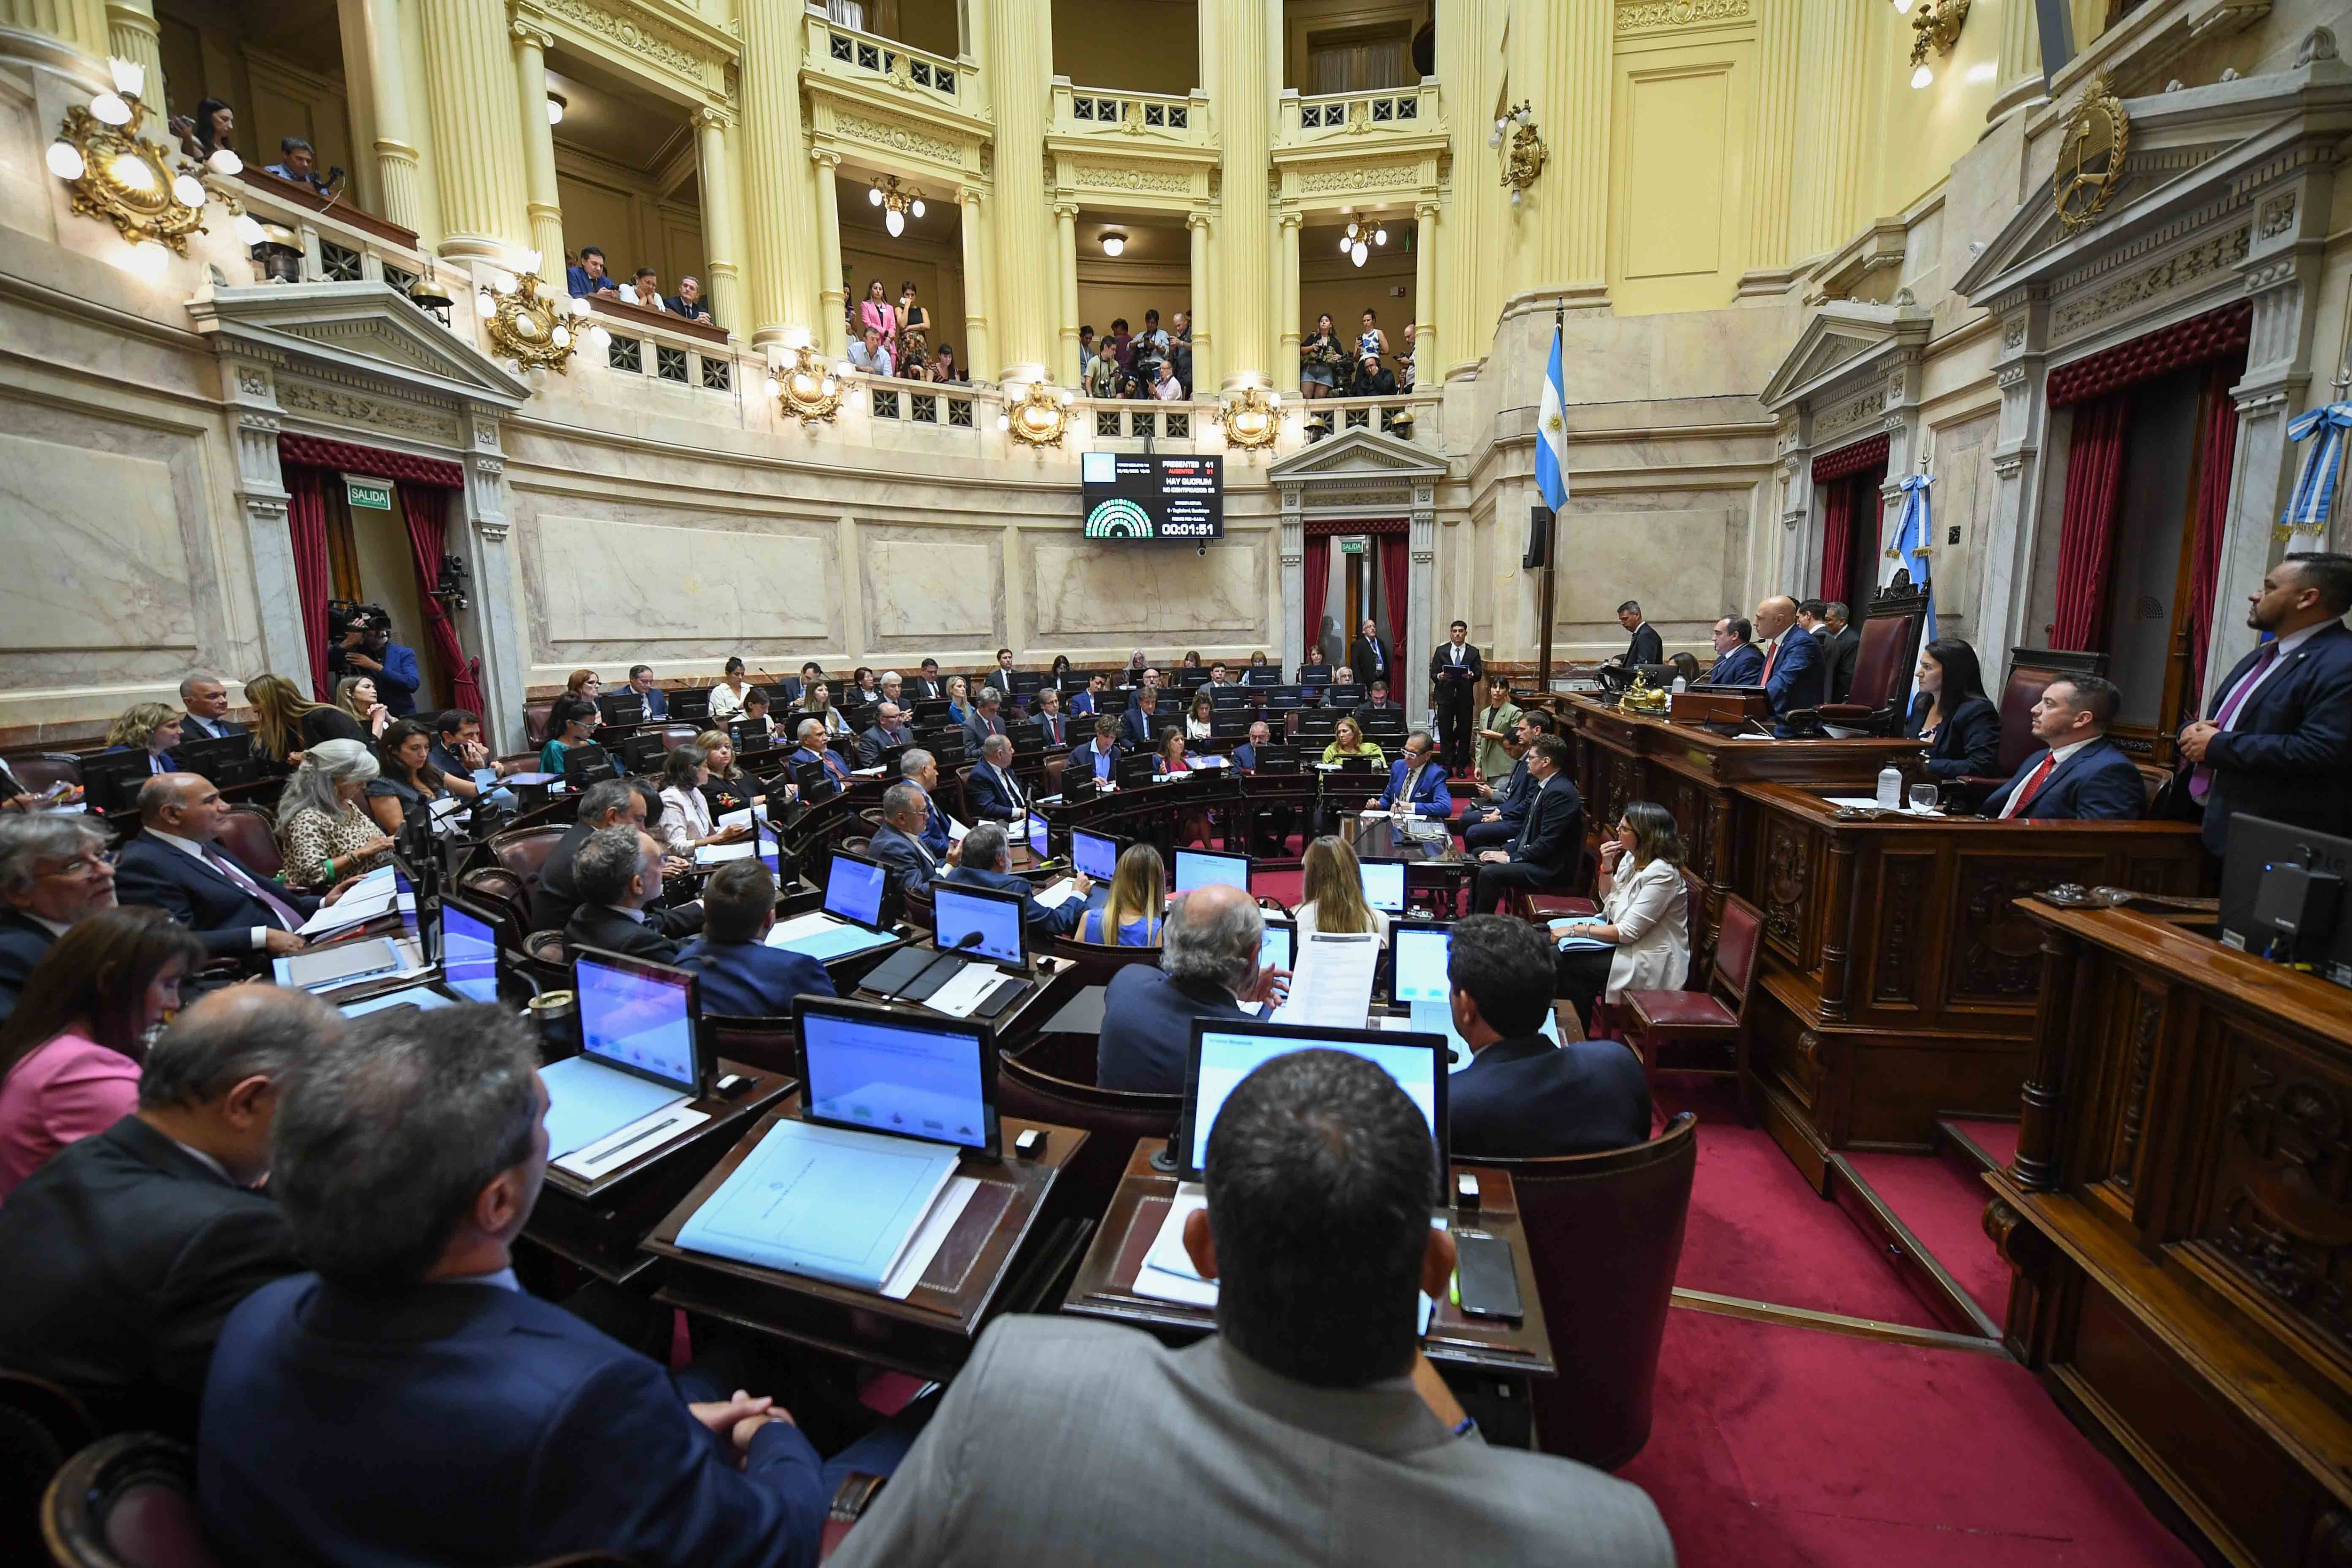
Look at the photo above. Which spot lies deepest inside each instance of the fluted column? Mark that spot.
(1474, 227)
(722, 238)
(1836, 75)
(2019, 70)
(470, 88)
(1286, 369)
(1204, 336)
(383, 147)
(83, 24)
(1066, 292)
(1770, 165)
(1425, 363)
(130, 34)
(832, 294)
(978, 288)
(1562, 220)
(545, 205)
(779, 206)
(1240, 77)
(1017, 54)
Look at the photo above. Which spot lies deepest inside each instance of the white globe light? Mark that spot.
(1360, 253)
(148, 259)
(1066, 399)
(580, 305)
(248, 230)
(873, 194)
(111, 107)
(530, 261)
(1903, 8)
(189, 189)
(1922, 77)
(772, 386)
(1379, 236)
(599, 339)
(503, 282)
(842, 369)
(895, 222)
(65, 161)
(1346, 243)
(554, 110)
(917, 208)
(130, 76)
(225, 162)
(1003, 423)
(828, 386)
(1113, 244)
(486, 305)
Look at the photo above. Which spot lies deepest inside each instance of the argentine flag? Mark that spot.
(1551, 435)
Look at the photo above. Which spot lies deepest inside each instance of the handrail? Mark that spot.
(1409, 110)
(1106, 111)
(833, 44)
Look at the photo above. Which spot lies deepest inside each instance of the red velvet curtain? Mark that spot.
(2217, 457)
(1837, 536)
(424, 508)
(1396, 557)
(306, 521)
(2086, 531)
(1319, 584)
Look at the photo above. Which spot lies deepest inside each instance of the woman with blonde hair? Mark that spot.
(1348, 741)
(1138, 904)
(355, 695)
(150, 727)
(1331, 893)
(322, 832)
(286, 724)
(1644, 920)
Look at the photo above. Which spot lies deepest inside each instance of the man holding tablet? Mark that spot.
(1523, 1096)
(1210, 967)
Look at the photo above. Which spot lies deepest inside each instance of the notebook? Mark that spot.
(829, 1203)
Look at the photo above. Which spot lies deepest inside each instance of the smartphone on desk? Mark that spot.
(1486, 1284)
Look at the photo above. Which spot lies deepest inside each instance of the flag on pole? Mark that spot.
(1914, 541)
(2313, 499)
(1551, 433)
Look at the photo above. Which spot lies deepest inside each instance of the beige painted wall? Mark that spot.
(935, 267)
(1145, 46)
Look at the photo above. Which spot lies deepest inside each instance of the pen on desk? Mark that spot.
(640, 1138)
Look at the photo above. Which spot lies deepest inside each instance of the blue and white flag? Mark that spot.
(2313, 499)
(1913, 543)
(1551, 435)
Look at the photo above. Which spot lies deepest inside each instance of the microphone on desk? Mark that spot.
(969, 938)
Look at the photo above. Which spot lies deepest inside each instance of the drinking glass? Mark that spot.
(1923, 798)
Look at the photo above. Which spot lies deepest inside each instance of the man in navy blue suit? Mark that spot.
(413, 1365)
(1549, 839)
(920, 768)
(53, 871)
(2080, 775)
(1143, 720)
(2277, 740)
(994, 793)
(657, 701)
(1494, 827)
(1209, 968)
(812, 749)
(1523, 1096)
(1738, 660)
(1100, 756)
(1793, 674)
(986, 861)
(898, 845)
(1416, 779)
(178, 865)
(742, 976)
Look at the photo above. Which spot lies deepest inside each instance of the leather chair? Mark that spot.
(676, 735)
(767, 1044)
(41, 1425)
(560, 812)
(1096, 961)
(1568, 898)
(1879, 700)
(252, 837)
(499, 888)
(534, 717)
(2031, 669)
(545, 962)
(127, 1501)
(1054, 766)
(521, 852)
(1605, 1236)
(1114, 1121)
(36, 771)
(1715, 1018)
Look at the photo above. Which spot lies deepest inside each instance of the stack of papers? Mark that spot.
(830, 1203)
(1168, 1274)
(1060, 893)
(372, 894)
(1331, 986)
(824, 938)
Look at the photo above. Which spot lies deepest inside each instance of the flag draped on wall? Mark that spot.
(2315, 479)
(1914, 541)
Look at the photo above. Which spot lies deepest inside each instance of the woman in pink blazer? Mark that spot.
(69, 1053)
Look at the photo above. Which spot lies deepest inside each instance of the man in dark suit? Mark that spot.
(1143, 722)
(921, 769)
(1549, 838)
(1086, 704)
(1368, 655)
(999, 679)
(1522, 1096)
(1208, 969)
(1416, 782)
(207, 701)
(610, 802)
(1376, 701)
(53, 871)
(890, 729)
(927, 687)
(813, 749)
(1246, 754)
(1455, 677)
(2080, 775)
(898, 844)
(742, 976)
(178, 865)
(412, 1365)
(1052, 720)
(986, 861)
(125, 1252)
(987, 718)
(995, 794)
(1497, 827)
(2276, 740)
(1793, 676)
(641, 683)
(1841, 643)
(1738, 660)
(1099, 756)
(619, 870)
(1647, 646)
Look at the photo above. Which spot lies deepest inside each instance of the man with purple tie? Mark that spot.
(178, 865)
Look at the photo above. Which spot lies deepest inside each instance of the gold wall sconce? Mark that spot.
(808, 389)
(1524, 152)
(534, 329)
(1934, 26)
(115, 174)
(1252, 419)
(1036, 413)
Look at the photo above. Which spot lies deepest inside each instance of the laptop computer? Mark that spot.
(1096, 854)
(978, 937)
(1199, 868)
(851, 918)
(1383, 883)
(1222, 1053)
(643, 1057)
(1418, 949)
(881, 1069)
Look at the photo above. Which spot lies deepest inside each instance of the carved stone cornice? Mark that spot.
(679, 46)
(1638, 17)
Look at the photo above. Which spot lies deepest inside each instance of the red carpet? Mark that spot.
(1785, 1447)
(1756, 1230)
(1998, 1139)
(1944, 1207)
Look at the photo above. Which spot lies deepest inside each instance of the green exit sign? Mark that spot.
(367, 495)
(1352, 545)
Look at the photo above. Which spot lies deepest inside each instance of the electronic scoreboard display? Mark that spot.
(1136, 496)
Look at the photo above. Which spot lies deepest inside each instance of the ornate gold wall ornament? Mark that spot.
(807, 387)
(1252, 420)
(1936, 24)
(1524, 152)
(526, 326)
(1035, 416)
(2091, 156)
(113, 172)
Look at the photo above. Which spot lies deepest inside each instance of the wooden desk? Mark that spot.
(1050, 990)
(988, 1265)
(1437, 865)
(2179, 1221)
(600, 1227)
(1104, 1287)
(1899, 980)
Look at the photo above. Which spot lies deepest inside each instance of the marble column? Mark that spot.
(832, 294)
(1294, 582)
(1238, 73)
(493, 628)
(1472, 81)
(531, 42)
(1017, 60)
(130, 34)
(1415, 642)
(1065, 293)
(779, 204)
(384, 147)
(1772, 146)
(399, 25)
(1285, 368)
(1204, 345)
(1424, 296)
(2007, 547)
(722, 240)
(2020, 69)
(470, 88)
(1837, 73)
(260, 488)
(978, 288)
(84, 24)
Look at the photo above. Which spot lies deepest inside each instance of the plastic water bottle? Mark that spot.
(1890, 788)
(1681, 686)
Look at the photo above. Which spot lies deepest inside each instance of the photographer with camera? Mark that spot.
(365, 647)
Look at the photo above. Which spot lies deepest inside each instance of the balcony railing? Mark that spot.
(845, 51)
(1342, 116)
(1112, 112)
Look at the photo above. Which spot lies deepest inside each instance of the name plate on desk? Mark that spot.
(1718, 705)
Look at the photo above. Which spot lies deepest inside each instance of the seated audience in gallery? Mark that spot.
(324, 834)
(1950, 712)
(1523, 1096)
(871, 355)
(54, 870)
(1137, 905)
(587, 276)
(2080, 775)
(1643, 920)
(688, 302)
(297, 161)
(742, 976)
(150, 727)
(643, 290)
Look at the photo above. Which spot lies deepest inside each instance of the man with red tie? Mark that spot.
(1052, 720)
(2277, 740)
(2081, 776)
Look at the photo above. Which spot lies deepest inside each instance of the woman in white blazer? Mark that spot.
(1644, 916)
(686, 826)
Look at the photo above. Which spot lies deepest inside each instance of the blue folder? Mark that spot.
(587, 1101)
(830, 1203)
(839, 942)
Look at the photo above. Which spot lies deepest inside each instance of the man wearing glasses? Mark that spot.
(53, 871)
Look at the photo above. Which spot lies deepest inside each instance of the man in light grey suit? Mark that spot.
(1308, 1430)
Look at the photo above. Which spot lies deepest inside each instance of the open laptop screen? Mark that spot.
(470, 953)
(853, 889)
(1199, 868)
(977, 921)
(884, 1072)
(639, 1017)
(1222, 1054)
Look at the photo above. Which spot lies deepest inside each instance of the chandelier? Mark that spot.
(897, 203)
(117, 175)
(1357, 242)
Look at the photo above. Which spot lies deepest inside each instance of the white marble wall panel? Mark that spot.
(1672, 559)
(1962, 498)
(1151, 593)
(927, 589)
(679, 587)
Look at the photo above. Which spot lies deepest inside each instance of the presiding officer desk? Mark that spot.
(2178, 1218)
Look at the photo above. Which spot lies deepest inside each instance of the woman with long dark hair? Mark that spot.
(407, 782)
(1951, 712)
(1644, 927)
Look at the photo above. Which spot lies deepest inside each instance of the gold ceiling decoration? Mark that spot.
(2091, 156)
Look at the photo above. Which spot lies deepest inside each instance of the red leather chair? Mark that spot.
(1114, 1121)
(677, 735)
(127, 1501)
(499, 888)
(1605, 1236)
(767, 1044)
(2031, 671)
(252, 837)
(1712, 1019)
(36, 771)
(1540, 904)
(1879, 699)
(522, 851)
(534, 717)
(41, 1425)
(1097, 961)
